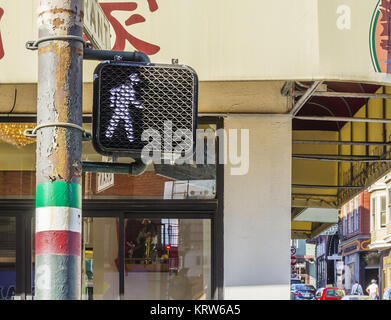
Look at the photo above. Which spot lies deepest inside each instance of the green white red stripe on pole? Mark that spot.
(58, 240)
(58, 194)
(58, 218)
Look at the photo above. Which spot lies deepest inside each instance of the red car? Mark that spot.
(331, 293)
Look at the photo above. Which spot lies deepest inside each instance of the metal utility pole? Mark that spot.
(59, 147)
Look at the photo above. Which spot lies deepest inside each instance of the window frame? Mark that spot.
(383, 212)
(356, 213)
(187, 208)
(388, 194)
(159, 209)
(373, 206)
(344, 220)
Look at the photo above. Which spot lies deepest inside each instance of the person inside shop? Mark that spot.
(356, 289)
(164, 256)
(373, 290)
(142, 249)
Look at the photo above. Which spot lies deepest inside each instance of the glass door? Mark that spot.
(162, 253)
(7, 257)
(100, 260)
(167, 259)
(15, 256)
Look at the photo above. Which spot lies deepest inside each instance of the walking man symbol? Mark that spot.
(121, 100)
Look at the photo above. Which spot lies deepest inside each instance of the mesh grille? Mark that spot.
(135, 98)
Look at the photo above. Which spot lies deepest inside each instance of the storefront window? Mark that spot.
(167, 259)
(7, 257)
(159, 181)
(185, 274)
(17, 162)
(100, 266)
(350, 275)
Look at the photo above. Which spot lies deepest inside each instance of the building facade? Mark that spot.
(305, 268)
(380, 228)
(326, 252)
(355, 240)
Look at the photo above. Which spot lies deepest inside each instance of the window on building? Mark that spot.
(350, 217)
(351, 221)
(345, 226)
(344, 220)
(389, 205)
(383, 211)
(356, 209)
(373, 214)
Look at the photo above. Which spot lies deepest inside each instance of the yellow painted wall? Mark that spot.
(334, 173)
(310, 172)
(375, 133)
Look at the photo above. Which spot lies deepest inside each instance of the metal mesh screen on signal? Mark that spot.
(131, 98)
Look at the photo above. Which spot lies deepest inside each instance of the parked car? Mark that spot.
(302, 292)
(296, 281)
(356, 297)
(330, 293)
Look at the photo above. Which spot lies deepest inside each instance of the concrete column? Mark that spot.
(257, 212)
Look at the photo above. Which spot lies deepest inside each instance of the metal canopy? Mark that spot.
(338, 101)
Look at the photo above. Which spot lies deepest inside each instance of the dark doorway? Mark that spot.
(372, 273)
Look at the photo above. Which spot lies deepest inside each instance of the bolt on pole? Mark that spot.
(58, 154)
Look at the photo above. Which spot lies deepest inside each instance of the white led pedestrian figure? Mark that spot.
(122, 98)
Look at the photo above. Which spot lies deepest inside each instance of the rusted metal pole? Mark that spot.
(58, 167)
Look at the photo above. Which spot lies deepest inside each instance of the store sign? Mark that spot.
(329, 42)
(104, 180)
(96, 25)
(350, 248)
(339, 266)
(331, 231)
(130, 11)
(334, 257)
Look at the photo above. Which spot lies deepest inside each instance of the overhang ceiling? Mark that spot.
(311, 212)
(331, 106)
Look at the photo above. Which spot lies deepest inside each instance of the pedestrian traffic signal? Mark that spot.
(148, 107)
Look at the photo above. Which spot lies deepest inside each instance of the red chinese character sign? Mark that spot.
(1, 42)
(121, 33)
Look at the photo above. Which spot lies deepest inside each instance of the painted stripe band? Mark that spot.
(58, 194)
(57, 218)
(57, 277)
(58, 242)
